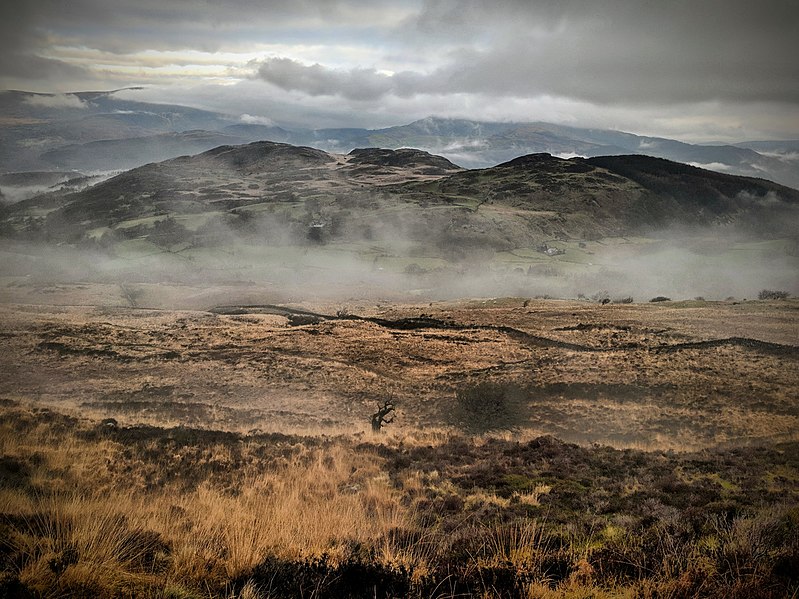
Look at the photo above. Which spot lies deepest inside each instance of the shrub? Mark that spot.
(298, 320)
(660, 298)
(770, 294)
(489, 406)
(414, 269)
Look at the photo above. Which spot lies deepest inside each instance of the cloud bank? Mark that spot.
(732, 57)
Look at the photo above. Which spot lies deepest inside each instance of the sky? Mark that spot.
(697, 70)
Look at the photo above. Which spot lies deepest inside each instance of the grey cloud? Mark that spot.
(316, 80)
(354, 84)
(21, 65)
(56, 101)
(616, 54)
(606, 51)
(619, 50)
(21, 39)
(712, 19)
(612, 74)
(608, 71)
(30, 28)
(121, 26)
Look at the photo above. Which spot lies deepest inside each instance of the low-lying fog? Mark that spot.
(675, 266)
(17, 187)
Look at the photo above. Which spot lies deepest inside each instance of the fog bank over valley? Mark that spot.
(712, 263)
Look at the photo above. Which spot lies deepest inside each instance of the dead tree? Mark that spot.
(131, 295)
(380, 418)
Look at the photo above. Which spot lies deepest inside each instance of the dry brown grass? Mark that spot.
(89, 519)
(187, 513)
(319, 501)
(238, 373)
(520, 544)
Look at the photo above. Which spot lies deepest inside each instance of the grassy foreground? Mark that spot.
(90, 510)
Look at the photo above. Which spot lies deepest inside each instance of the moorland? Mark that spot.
(539, 448)
(588, 367)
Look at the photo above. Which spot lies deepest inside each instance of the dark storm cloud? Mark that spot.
(607, 51)
(613, 50)
(20, 38)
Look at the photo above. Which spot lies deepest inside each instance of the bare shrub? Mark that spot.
(770, 294)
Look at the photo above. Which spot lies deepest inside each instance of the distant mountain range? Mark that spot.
(97, 131)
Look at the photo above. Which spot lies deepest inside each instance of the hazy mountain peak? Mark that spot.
(450, 127)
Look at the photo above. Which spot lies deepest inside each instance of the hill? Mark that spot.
(278, 193)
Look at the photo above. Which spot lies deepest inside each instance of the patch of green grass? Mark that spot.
(575, 256)
(621, 241)
(192, 222)
(770, 245)
(782, 477)
(518, 483)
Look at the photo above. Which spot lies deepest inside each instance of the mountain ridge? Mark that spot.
(301, 194)
(41, 126)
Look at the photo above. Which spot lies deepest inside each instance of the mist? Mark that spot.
(711, 264)
(18, 187)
